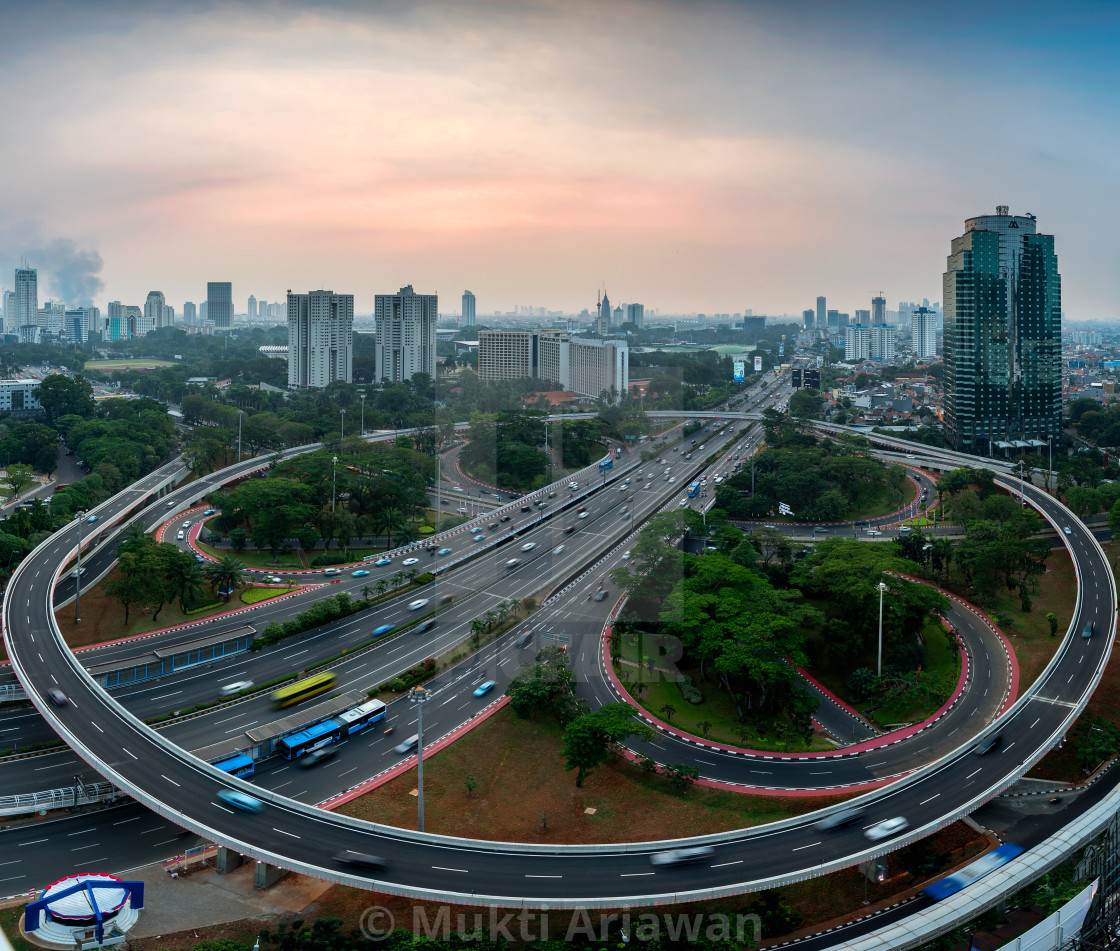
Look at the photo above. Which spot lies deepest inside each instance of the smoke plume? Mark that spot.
(71, 272)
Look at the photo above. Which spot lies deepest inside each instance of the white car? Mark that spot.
(683, 502)
(626, 556)
(411, 561)
(418, 604)
(872, 531)
(647, 485)
(886, 828)
(558, 549)
(583, 514)
(186, 524)
(528, 546)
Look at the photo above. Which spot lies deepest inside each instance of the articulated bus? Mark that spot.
(303, 690)
(694, 490)
(327, 732)
(972, 873)
(605, 465)
(237, 766)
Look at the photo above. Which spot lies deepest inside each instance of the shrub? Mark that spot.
(426, 578)
(329, 558)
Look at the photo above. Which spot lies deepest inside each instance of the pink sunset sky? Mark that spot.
(695, 156)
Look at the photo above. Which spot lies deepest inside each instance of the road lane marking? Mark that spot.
(809, 846)
(543, 876)
(443, 868)
(931, 798)
(973, 773)
(725, 864)
(123, 821)
(634, 874)
(129, 752)
(292, 834)
(173, 783)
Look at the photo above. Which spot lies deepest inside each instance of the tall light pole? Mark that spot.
(1022, 499)
(1050, 467)
(881, 588)
(439, 493)
(334, 478)
(342, 438)
(363, 414)
(78, 586)
(240, 413)
(419, 695)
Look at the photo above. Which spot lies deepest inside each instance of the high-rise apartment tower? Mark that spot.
(468, 309)
(320, 338)
(406, 334)
(219, 303)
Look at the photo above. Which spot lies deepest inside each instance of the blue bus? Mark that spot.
(972, 873)
(328, 731)
(605, 465)
(237, 766)
(694, 490)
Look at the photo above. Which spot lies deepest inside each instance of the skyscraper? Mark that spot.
(27, 304)
(320, 338)
(807, 318)
(605, 312)
(879, 309)
(219, 303)
(636, 314)
(153, 311)
(406, 334)
(923, 332)
(190, 313)
(822, 314)
(253, 308)
(10, 312)
(1002, 343)
(468, 309)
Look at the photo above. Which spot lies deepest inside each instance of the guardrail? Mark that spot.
(65, 798)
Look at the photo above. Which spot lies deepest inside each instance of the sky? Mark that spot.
(695, 156)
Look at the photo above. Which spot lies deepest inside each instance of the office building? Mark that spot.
(881, 342)
(18, 396)
(406, 335)
(27, 304)
(77, 323)
(52, 315)
(9, 324)
(253, 308)
(878, 309)
(202, 314)
(320, 338)
(168, 315)
(598, 368)
(863, 317)
(857, 343)
(219, 304)
(807, 319)
(507, 355)
(605, 313)
(923, 333)
(554, 353)
(468, 309)
(822, 314)
(1002, 339)
(153, 312)
(190, 313)
(636, 315)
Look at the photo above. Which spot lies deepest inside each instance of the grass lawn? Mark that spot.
(886, 505)
(258, 559)
(140, 363)
(253, 595)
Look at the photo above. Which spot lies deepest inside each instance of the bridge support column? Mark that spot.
(227, 860)
(266, 875)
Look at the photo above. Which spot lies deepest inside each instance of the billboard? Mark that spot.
(758, 364)
(740, 370)
(781, 350)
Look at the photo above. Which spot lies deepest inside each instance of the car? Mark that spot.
(425, 627)
(626, 556)
(381, 562)
(444, 551)
(505, 518)
(526, 508)
(682, 503)
(551, 495)
(623, 488)
(600, 595)
(987, 744)
(542, 504)
(484, 688)
(524, 639)
(569, 529)
(493, 526)
(408, 745)
(703, 481)
(360, 573)
(57, 697)
(904, 529)
(872, 531)
(332, 571)
(179, 537)
(528, 546)
(672, 479)
(410, 561)
(461, 510)
(197, 558)
(647, 485)
(1066, 529)
(583, 514)
(384, 629)
(839, 819)
(1088, 630)
(820, 528)
(513, 563)
(456, 488)
(236, 687)
(210, 512)
(885, 829)
(447, 599)
(93, 518)
(78, 571)
(559, 549)
(478, 538)
(361, 860)
(170, 505)
(315, 757)
(418, 604)
(689, 856)
(573, 486)
(623, 510)
(240, 800)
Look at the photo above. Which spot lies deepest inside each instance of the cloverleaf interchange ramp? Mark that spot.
(293, 836)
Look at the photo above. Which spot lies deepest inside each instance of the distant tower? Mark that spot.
(252, 308)
(153, 311)
(822, 314)
(605, 310)
(879, 309)
(190, 313)
(219, 303)
(406, 335)
(468, 309)
(320, 338)
(27, 305)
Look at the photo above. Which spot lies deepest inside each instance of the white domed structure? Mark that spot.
(84, 911)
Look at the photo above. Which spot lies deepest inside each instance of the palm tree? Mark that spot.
(489, 618)
(668, 709)
(189, 580)
(514, 603)
(412, 574)
(225, 575)
(398, 579)
(381, 586)
(366, 591)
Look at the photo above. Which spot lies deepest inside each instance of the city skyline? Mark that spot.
(784, 153)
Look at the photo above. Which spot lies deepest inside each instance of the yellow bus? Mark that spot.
(303, 690)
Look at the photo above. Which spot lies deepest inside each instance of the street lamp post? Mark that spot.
(342, 438)
(363, 414)
(1022, 498)
(881, 588)
(240, 413)
(78, 586)
(334, 478)
(418, 695)
(1050, 467)
(439, 493)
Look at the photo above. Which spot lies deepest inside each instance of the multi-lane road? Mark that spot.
(295, 836)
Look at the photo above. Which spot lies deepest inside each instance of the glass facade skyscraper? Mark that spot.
(1003, 324)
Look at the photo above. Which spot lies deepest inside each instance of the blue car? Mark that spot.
(360, 573)
(210, 512)
(240, 800)
(484, 688)
(199, 559)
(384, 629)
(92, 518)
(479, 538)
(383, 561)
(444, 551)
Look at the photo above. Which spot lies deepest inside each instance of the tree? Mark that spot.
(668, 709)
(127, 590)
(1052, 620)
(471, 783)
(225, 575)
(19, 477)
(64, 395)
(592, 737)
(547, 685)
